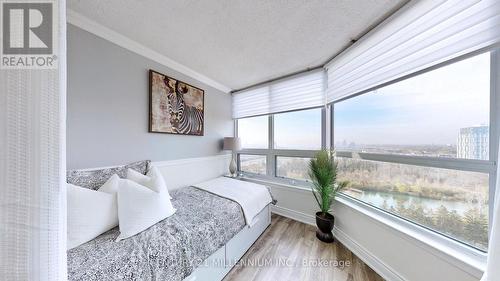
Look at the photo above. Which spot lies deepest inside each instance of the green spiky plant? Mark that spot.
(323, 174)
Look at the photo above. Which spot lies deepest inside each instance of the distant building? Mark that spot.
(473, 143)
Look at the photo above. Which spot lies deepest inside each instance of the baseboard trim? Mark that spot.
(367, 257)
(294, 215)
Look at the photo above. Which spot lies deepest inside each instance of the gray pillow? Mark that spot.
(94, 179)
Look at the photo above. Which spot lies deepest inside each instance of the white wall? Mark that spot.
(391, 253)
(108, 108)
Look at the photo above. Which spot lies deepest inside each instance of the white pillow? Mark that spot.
(153, 179)
(111, 185)
(139, 208)
(90, 213)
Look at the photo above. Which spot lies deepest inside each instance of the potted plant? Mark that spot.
(323, 174)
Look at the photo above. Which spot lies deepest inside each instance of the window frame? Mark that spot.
(473, 165)
(271, 153)
(429, 237)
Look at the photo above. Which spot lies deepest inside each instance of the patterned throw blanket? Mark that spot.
(169, 250)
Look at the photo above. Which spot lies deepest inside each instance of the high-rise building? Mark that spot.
(473, 143)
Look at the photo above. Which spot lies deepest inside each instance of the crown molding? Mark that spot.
(106, 33)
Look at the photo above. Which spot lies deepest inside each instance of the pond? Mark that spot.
(391, 199)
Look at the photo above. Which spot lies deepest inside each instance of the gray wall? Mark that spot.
(108, 108)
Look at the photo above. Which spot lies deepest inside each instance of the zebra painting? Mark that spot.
(175, 107)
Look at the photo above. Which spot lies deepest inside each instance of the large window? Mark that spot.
(295, 138)
(298, 130)
(441, 113)
(418, 148)
(452, 202)
(253, 132)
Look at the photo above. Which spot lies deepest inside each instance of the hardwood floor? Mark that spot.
(289, 250)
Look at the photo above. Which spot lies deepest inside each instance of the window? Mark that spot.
(293, 168)
(255, 164)
(253, 132)
(453, 202)
(441, 113)
(296, 136)
(298, 130)
(418, 149)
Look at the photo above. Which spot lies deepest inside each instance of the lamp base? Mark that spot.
(232, 167)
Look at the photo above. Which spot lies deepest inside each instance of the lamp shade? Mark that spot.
(232, 143)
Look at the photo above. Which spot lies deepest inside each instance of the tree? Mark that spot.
(476, 226)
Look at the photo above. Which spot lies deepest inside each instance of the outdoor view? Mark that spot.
(298, 130)
(450, 201)
(286, 167)
(254, 132)
(292, 167)
(292, 130)
(255, 164)
(443, 113)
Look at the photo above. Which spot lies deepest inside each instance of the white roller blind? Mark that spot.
(252, 102)
(422, 34)
(298, 92)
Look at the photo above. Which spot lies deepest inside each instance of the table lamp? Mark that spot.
(233, 144)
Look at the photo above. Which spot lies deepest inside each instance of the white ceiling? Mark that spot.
(240, 42)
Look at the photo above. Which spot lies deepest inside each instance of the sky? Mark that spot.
(428, 109)
(294, 130)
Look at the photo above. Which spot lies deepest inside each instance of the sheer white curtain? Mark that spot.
(33, 165)
(493, 267)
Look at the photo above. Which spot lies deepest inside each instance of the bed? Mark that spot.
(201, 241)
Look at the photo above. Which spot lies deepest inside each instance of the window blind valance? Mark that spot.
(421, 35)
(306, 90)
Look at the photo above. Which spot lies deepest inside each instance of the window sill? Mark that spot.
(460, 255)
(281, 182)
(467, 258)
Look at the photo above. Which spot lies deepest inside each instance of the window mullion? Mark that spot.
(481, 166)
(235, 131)
(494, 126)
(332, 126)
(271, 159)
(323, 127)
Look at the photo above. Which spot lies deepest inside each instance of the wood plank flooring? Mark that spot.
(289, 250)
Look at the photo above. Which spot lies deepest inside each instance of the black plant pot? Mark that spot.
(325, 222)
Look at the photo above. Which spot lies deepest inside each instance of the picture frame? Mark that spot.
(175, 107)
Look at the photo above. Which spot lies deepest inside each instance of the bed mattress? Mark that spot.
(169, 250)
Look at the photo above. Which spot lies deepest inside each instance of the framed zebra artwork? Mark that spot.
(175, 107)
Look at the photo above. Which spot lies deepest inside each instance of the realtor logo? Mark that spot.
(28, 35)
